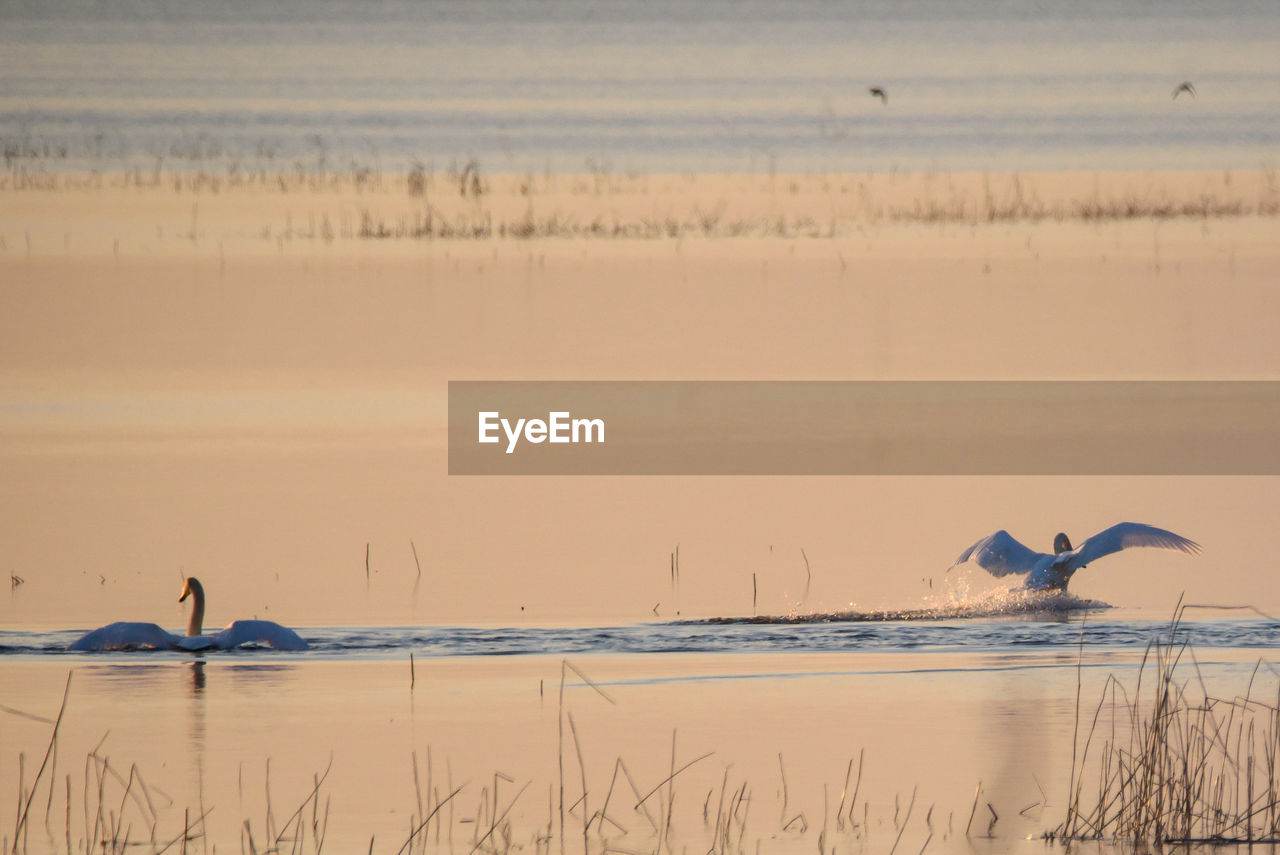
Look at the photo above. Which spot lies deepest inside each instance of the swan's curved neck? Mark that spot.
(193, 587)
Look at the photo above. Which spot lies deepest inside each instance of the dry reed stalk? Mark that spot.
(124, 800)
(582, 770)
(295, 819)
(84, 801)
(560, 751)
(976, 792)
(782, 771)
(17, 817)
(440, 803)
(417, 787)
(1185, 773)
(671, 796)
(25, 809)
(53, 778)
(269, 822)
(822, 835)
(808, 577)
(665, 782)
(857, 785)
(448, 775)
(844, 791)
(741, 803)
(640, 803)
(99, 820)
(905, 820)
(715, 838)
(604, 809)
(187, 825)
(497, 820)
(565, 666)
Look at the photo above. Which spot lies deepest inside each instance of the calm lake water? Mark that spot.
(938, 629)
(796, 715)
(583, 85)
(567, 724)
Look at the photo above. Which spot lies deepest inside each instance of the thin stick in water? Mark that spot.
(857, 785)
(582, 770)
(668, 779)
(905, 819)
(636, 791)
(53, 739)
(808, 576)
(977, 791)
(844, 791)
(783, 771)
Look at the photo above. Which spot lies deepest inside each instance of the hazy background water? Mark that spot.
(573, 85)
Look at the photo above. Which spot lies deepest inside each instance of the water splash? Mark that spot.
(1015, 602)
(996, 621)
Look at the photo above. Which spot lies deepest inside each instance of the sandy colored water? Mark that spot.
(214, 737)
(202, 733)
(209, 383)
(189, 384)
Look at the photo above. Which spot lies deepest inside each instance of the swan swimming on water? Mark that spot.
(1001, 555)
(123, 635)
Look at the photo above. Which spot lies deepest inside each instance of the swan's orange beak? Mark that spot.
(186, 592)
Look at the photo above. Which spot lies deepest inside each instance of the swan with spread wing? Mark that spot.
(1001, 555)
(125, 635)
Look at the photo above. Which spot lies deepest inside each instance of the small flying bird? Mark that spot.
(1001, 555)
(879, 93)
(1184, 86)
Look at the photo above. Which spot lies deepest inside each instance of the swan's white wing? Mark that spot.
(259, 632)
(1001, 555)
(125, 635)
(1125, 535)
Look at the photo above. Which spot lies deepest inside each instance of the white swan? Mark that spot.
(1001, 555)
(125, 635)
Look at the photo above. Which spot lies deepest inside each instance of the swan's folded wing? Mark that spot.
(1125, 535)
(125, 635)
(260, 632)
(1001, 555)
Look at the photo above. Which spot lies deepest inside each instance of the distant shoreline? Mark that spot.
(472, 205)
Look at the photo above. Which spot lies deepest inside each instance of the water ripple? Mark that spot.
(939, 629)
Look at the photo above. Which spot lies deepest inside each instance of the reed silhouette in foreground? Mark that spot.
(688, 802)
(1172, 763)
